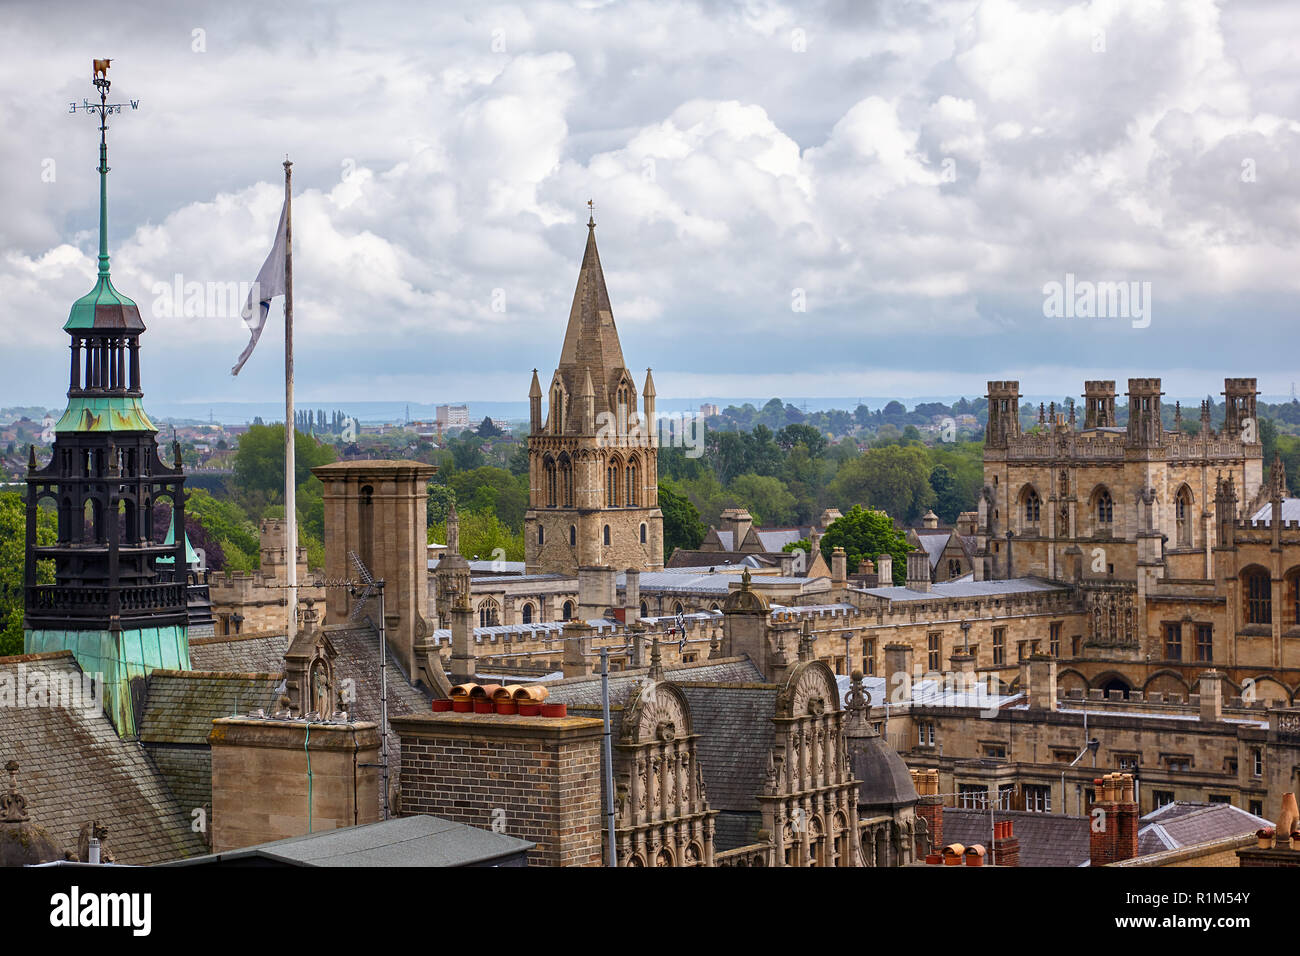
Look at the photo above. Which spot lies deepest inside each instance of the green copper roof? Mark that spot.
(103, 307)
(190, 557)
(117, 414)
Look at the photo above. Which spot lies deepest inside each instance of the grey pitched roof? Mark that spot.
(73, 768)
(933, 544)
(1290, 512)
(179, 706)
(1184, 823)
(777, 538)
(402, 841)
(234, 653)
(734, 722)
(585, 691)
(966, 589)
(1046, 839)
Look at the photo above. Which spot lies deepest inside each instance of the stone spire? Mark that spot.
(453, 530)
(656, 660)
(591, 338)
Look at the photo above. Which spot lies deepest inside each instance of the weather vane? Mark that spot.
(103, 108)
(591, 213)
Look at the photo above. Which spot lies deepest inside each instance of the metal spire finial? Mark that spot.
(591, 214)
(102, 110)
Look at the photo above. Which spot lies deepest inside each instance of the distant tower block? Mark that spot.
(593, 464)
(377, 509)
(1099, 399)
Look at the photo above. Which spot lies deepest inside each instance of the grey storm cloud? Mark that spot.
(793, 199)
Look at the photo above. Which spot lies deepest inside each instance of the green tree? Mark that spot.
(682, 525)
(225, 522)
(259, 461)
(895, 479)
(440, 500)
(13, 557)
(867, 534)
(494, 491)
(483, 537)
(767, 498)
(487, 429)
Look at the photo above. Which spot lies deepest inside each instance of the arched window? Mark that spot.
(566, 481)
(1257, 588)
(1032, 506)
(607, 536)
(954, 568)
(677, 607)
(1291, 614)
(1183, 517)
(611, 484)
(526, 615)
(552, 496)
(645, 610)
(573, 535)
(541, 536)
(1105, 509)
(557, 410)
(567, 611)
(630, 497)
(643, 532)
(489, 613)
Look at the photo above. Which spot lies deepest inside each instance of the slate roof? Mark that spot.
(1184, 823)
(683, 558)
(775, 539)
(1290, 512)
(1046, 839)
(74, 768)
(966, 589)
(932, 543)
(234, 653)
(734, 722)
(582, 692)
(179, 706)
(402, 841)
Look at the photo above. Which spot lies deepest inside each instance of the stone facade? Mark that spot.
(244, 603)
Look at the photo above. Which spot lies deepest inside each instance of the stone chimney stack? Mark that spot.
(1211, 687)
(918, 571)
(839, 568)
(577, 648)
(898, 672)
(598, 592)
(1042, 681)
(738, 521)
(1114, 833)
(885, 569)
(632, 594)
(464, 655)
(930, 520)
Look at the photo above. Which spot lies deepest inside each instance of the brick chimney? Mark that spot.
(1006, 848)
(536, 778)
(738, 522)
(929, 806)
(1114, 820)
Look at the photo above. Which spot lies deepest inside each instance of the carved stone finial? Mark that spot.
(656, 660)
(13, 805)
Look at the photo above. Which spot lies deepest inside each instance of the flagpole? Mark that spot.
(290, 490)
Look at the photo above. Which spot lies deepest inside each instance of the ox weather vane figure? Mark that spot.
(102, 109)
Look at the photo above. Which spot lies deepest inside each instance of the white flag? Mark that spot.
(269, 284)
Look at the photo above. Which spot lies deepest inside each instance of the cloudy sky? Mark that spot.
(837, 198)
